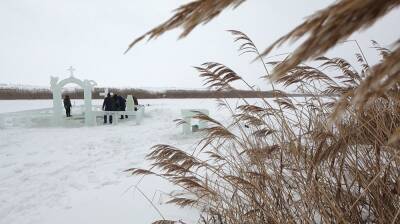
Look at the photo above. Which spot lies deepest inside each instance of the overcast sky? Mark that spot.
(43, 38)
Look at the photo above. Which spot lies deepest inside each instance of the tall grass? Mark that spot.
(314, 160)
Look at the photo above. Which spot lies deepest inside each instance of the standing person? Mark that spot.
(121, 102)
(115, 102)
(135, 102)
(108, 105)
(67, 105)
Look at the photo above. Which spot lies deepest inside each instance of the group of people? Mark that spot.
(114, 103)
(110, 103)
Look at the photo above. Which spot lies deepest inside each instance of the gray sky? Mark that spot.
(43, 38)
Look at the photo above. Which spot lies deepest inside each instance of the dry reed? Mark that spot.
(284, 163)
(332, 159)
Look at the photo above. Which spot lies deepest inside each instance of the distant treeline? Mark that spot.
(15, 93)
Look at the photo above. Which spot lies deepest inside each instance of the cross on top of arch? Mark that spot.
(71, 71)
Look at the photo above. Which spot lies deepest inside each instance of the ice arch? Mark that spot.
(58, 109)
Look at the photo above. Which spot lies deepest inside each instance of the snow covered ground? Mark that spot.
(75, 175)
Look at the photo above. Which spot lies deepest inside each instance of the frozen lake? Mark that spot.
(75, 175)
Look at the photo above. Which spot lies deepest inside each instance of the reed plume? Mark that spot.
(282, 162)
(331, 157)
(189, 16)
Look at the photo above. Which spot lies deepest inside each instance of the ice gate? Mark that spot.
(58, 109)
(90, 112)
(55, 115)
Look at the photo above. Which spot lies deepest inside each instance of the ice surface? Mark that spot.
(74, 175)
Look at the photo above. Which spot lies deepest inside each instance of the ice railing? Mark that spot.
(27, 118)
(44, 117)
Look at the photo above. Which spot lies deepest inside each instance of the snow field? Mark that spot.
(75, 175)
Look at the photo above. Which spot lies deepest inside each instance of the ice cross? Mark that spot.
(105, 93)
(71, 71)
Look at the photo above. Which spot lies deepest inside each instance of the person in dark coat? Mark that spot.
(115, 101)
(109, 104)
(121, 102)
(67, 105)
(135, 102)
